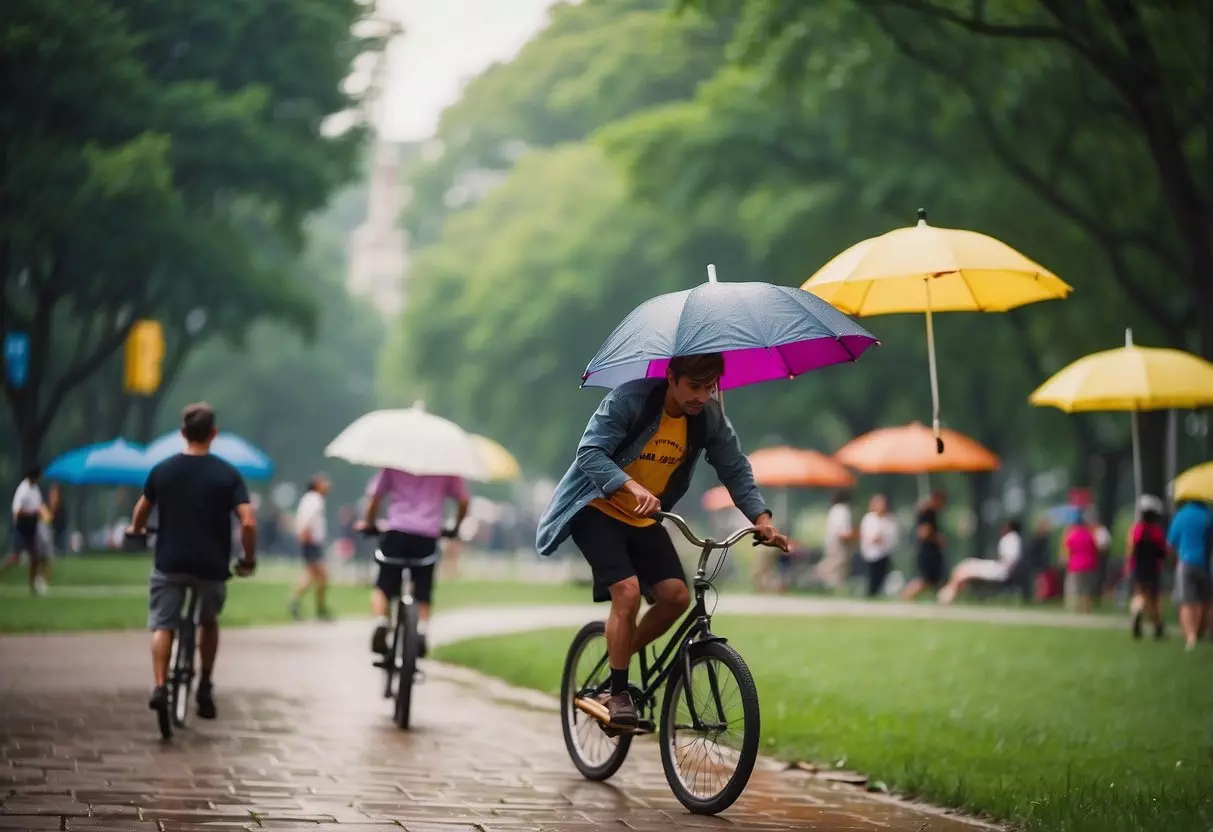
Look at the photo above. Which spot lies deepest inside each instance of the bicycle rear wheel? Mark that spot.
(405, 650)
(181, 673)
(708, 768)
(597, 754)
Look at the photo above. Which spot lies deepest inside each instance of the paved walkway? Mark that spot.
(304, 742)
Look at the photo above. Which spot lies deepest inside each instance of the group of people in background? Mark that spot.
(1081, 567)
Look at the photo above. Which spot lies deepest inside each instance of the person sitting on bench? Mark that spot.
(1010, 548)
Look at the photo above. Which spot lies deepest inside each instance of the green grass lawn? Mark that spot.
(259, 600)
(1051, 729)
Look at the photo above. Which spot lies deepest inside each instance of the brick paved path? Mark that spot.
(303, 741)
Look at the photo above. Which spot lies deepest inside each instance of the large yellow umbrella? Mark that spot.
(927, 269)
(1194, 484)
(1131, 379)
(501, 464)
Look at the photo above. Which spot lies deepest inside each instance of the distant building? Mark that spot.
(379, 247)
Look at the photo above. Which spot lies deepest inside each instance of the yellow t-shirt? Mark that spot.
(652, 469)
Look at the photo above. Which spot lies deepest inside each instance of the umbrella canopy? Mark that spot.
(410, 440)
(927, 269)
(910, 450)
(116, 462)
(1195, 484)
(765, 332)
(248, 459)
(500, 464)
(785, 467)
(1130, 378)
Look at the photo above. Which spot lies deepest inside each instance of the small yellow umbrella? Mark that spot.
(500, 463)
(1194, 484)
(926, 269)
(1131, 379)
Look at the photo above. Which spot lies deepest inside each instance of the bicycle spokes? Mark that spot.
(592, 676)
(709, 727)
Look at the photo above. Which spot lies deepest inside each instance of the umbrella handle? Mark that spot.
(934, 375)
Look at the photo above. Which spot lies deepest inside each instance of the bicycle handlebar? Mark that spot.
(708, 544)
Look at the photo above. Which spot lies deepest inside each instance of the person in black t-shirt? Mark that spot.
(929, 559)
(195, 495)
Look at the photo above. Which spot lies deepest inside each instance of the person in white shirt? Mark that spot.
(877, 540)
(1010, 550)
(835, 566)
(28, 511)
(311, 531)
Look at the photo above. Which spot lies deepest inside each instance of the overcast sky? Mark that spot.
(446, 42)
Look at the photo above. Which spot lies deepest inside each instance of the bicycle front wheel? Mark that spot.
(405, 650)
(709, 745)
(596, 753)
(181, 674)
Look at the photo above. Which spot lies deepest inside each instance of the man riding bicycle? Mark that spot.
(410, 532)
(196, 494)
(635, 458)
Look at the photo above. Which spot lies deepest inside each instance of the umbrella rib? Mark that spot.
(964, 279)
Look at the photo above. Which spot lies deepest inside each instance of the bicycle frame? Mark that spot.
(695, 627)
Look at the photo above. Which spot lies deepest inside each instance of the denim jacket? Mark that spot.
(603, 453)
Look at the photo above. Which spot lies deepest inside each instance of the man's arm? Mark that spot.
(304, 518)
(143, 508)
(723, 453)
(603, 433)
(248, 533)
(459, 491)
(19, 498)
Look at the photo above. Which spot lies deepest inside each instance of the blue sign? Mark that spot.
(16, 358)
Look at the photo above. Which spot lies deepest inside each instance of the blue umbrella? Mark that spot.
(116, 462)
(765, 331)
(249, 460)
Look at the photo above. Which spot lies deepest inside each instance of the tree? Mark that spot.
(174, 119)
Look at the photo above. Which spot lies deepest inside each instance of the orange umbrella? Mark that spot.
(717, 499)
(786, 467)
(911, 449)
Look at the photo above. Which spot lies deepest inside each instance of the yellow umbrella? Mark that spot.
(500, 463)
(1194, 484)
(928, 269)
(1131, 378)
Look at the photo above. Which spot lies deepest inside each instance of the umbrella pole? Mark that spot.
(1136, 456)
(1172, 455)
(934, 374)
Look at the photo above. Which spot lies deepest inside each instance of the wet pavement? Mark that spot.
(304, 742)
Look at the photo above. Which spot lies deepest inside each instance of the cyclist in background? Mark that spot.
(636, 458)
(410, 532)
(195, 494)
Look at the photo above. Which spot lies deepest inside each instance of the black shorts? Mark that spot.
(405, 546)
(1148, 584)
(26, 534)
(312, 553)
(930, 566)
(616, 551)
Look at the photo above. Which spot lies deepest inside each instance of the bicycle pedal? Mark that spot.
(645, 726)
(418, 677)
(383, 664)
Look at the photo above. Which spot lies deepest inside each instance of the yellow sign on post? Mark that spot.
(143, 358)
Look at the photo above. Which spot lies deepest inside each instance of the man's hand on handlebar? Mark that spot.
(646, 504)
(767, 534)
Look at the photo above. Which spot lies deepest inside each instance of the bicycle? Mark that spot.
(181, 674)
(399, 664)
(691, 648)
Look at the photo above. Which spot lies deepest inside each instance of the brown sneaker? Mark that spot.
(622, 711)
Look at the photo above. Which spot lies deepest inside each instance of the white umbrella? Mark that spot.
(411, 440)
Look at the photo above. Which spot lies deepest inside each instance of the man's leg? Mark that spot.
(211, 597)
(672, 599)
(387, 586)
(320, 579)
(620, 635)
(423, 593)
(164, 599)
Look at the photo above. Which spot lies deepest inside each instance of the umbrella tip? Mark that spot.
(922, 216)
(419, 405)
(711, 273)
(1128, 337)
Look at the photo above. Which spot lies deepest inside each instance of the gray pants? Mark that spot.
(1193, 585)
(166, 596)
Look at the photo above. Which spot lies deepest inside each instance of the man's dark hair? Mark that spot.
(33, 473)
(197, 422)
(843, 495)
(1014, 525)
(704, 368)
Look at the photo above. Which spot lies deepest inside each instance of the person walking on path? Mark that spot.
(1191, 537)
(311, 531)
(28, 514)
